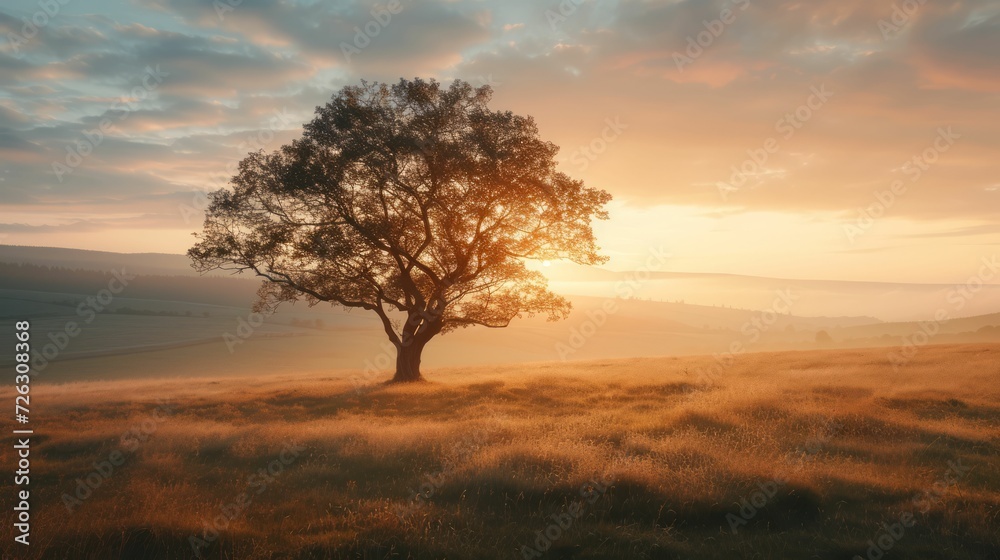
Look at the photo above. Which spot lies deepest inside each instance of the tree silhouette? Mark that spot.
(413, 201)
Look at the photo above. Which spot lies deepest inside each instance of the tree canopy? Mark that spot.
(414, 201)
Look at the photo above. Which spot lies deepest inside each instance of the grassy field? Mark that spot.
(817, 454)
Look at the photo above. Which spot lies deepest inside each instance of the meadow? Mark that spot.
(826, 454)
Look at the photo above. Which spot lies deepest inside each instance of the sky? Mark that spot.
(825, 139)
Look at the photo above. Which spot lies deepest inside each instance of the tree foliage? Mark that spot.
(414, 201)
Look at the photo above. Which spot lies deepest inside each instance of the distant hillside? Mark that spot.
(213, 290)
(953, 326)
(867, 302)
(158, 311)
(886, 300)
(140, 263)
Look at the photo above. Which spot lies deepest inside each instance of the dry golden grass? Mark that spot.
(500, 450)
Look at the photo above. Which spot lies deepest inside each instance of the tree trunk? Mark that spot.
(408, 362)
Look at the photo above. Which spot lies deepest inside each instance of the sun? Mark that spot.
(546, 263)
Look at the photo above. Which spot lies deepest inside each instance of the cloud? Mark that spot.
(411, 38)
(688, 125)
(957, 49)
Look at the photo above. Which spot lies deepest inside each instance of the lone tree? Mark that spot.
(413, 201)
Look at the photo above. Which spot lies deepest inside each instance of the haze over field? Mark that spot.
(170, 310)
